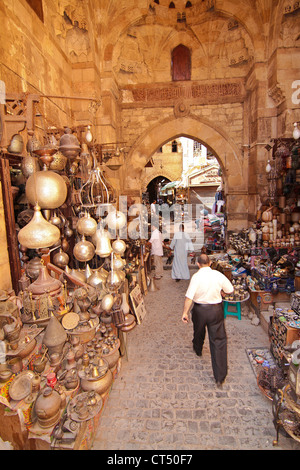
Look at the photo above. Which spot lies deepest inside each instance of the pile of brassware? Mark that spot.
(60, 336)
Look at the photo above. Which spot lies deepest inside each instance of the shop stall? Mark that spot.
(77, 292)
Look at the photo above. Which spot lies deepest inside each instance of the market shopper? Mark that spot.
(204, 300)
(181, 244)
(157, 251)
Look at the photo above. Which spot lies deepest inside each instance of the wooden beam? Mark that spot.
(11, 233)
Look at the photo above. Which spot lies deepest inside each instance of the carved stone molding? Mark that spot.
(276, 94)
(184, 93)
(181, 109)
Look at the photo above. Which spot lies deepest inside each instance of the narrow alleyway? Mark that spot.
(165, 396)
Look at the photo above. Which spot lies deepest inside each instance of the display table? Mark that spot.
(20, 428)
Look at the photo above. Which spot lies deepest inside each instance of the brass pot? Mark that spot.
(38, 233)
(84, 250)
(46, 188)
(48, 407)
(112, 357)
(98, 383)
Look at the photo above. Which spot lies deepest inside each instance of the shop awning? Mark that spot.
(172, 184)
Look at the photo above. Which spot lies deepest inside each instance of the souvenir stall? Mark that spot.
(80, 291)
(267, 255)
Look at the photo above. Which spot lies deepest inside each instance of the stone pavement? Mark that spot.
(165, 397)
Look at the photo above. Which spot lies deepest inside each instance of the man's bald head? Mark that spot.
(203, 260)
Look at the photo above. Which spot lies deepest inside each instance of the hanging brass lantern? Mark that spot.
(86, 225)
(59, 162)
(107, 302)
(115, 220)
(84, 250)
(38, 233)
(118, 262)
(69, 145)
(29, 165)
(119, 246)
(61, 259)
(103, 248)
(47, 189)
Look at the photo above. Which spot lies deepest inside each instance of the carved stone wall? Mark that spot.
(244, 63)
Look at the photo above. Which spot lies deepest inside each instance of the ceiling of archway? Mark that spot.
(134, 38)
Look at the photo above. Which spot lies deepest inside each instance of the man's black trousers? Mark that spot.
(211, 316)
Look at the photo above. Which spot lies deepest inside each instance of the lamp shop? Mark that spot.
(91, 95)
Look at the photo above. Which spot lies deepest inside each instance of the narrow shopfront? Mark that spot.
(89, 93)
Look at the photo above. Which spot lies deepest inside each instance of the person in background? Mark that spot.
(153, 209)
(204, 299)
(156, 242)
(181, 244)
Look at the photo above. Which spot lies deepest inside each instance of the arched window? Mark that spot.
(181, 63)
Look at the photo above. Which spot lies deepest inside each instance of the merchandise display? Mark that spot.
(64, 331)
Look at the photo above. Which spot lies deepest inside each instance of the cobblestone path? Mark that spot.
(165, 397)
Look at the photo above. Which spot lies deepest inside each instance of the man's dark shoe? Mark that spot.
(198, 353)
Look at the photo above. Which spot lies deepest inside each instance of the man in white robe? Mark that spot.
(181, 244)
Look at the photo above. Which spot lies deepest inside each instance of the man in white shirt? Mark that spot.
(204, 299)
(156, 242)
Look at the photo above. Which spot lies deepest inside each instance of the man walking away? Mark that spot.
(204, 299)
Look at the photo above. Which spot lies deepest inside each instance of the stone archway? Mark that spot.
(146, 180)
(230, 157)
